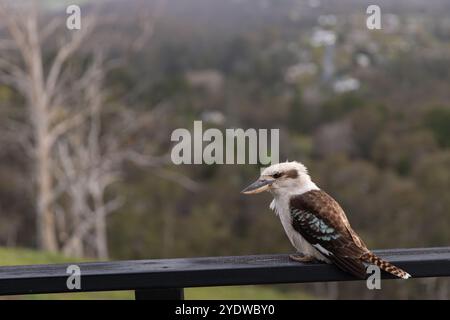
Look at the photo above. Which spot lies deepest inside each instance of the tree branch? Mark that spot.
(66, 51)
(65, 125)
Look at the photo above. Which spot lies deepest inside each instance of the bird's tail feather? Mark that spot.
(351, 265)
(369, 257)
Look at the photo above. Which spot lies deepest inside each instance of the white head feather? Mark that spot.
(289, 178)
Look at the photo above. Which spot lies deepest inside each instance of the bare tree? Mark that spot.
(22, 67)
(85, 172)
(90, 160)
(76, 157)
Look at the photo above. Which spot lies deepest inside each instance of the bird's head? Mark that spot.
(281, 178)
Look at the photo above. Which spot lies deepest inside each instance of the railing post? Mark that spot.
(159, 294)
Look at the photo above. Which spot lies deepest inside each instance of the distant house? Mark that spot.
(295, 72)
(213, 117)
(346, 84)
(211, 80)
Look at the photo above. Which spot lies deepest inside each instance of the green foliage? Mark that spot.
(300, 118)
(433, 176)
(437, 120)
(339, 106)
(367, 125)
(5, 94)
(245, 293)
(402, 151)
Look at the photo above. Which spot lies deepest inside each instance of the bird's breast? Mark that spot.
(281, 208)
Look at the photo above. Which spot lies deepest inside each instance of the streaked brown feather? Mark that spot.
(348, 247)
(349, 252)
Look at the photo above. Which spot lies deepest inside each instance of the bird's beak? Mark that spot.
(258, 186)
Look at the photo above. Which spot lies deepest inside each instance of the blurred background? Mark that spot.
(86, 117)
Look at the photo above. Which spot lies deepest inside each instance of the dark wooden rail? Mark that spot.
(166, 278)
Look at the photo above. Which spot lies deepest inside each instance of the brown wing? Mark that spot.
(322, 222)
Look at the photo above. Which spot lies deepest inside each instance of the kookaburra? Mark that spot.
(314, 222)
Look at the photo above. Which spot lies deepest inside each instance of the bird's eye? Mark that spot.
(276, 175)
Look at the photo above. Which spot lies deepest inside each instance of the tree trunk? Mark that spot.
(101, 239)
(75, 247)
(101, 236)
(39, 111)
(45, 217)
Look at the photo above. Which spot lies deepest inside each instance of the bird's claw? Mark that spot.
(302, 258)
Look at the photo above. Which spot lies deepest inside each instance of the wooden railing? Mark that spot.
(166, 278)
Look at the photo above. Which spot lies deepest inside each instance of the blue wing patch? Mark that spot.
(317, 227)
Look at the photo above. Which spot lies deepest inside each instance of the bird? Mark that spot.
(315, 223)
